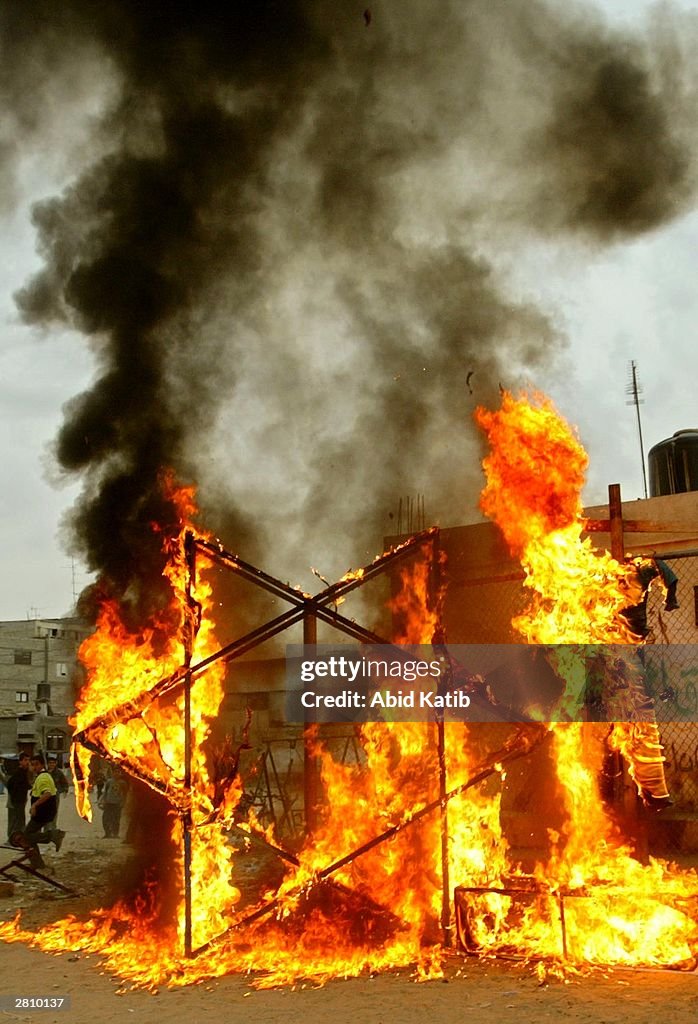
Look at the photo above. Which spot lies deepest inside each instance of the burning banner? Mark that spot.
(371, 887)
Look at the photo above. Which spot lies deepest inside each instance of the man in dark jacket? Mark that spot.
(18, 785)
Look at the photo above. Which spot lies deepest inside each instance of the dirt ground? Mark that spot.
(485, 991)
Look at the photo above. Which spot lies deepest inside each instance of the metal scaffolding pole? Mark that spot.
(311, 768)
(186, 814)
(436, 592)
(443, 790)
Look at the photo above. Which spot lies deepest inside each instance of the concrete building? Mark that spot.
(38, 676)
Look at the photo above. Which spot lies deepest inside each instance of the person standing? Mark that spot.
(96, 777)
(111, 803)
(18, 785)
(59, 779)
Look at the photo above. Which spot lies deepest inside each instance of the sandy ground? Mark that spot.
(486, 992)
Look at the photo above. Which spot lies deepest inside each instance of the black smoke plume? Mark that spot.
(277, 246)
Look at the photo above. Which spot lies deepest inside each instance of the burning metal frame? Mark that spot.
(22, 862)
(520, 745)
(307, 609)
(525, 889)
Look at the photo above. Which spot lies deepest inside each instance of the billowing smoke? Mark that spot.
(277, 246)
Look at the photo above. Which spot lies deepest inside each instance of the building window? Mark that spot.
(23, 657)
(61, 670)
(55, 741)
(22, 696)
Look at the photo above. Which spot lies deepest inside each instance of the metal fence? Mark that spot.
(675, 686)
(673, 683)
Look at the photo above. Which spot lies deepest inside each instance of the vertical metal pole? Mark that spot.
(563, 925)
(439, 640)
(190, 555)
(615, 515)
(267, 786)
(445, 877)
(186, 817)
(310, 761)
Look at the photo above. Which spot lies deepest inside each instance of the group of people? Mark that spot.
(34, 789)
(42, 783)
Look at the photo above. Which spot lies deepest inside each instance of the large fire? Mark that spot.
(335, 916)
(615, 909)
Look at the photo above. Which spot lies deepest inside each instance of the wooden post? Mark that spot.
(629, 789)
(615, 515)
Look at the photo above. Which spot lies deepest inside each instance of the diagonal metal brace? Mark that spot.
(523, 743)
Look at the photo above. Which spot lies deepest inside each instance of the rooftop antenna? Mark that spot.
(75, 589)
(634, 389)
(74, 582)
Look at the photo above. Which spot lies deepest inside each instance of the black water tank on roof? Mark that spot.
(673, 464)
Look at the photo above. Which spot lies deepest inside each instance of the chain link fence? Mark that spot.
(673, 681)
(483, 609)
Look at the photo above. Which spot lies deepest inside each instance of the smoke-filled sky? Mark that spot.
(275, 246)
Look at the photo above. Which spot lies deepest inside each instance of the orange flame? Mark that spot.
(413, 606)
(616, 909)
(119, 713)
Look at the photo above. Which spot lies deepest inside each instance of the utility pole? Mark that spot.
(634, 389)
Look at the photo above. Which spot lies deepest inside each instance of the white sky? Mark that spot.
(637, 301)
